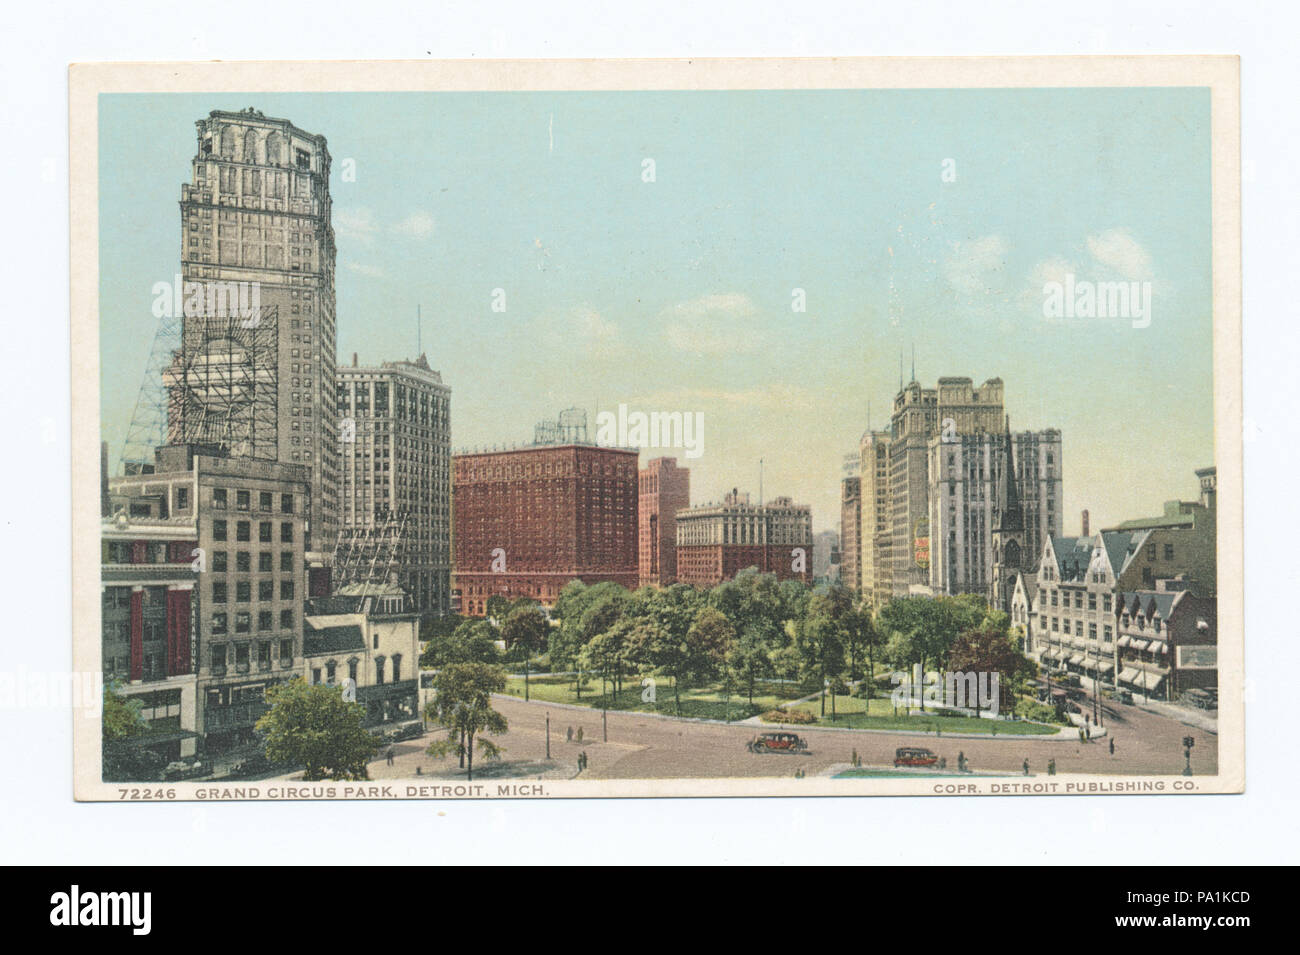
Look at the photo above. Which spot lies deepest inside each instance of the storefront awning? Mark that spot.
(1124, 641)
(1077, 658)
(1105, 666)
(1138, 645)
(1129, 674)
(1151, 678)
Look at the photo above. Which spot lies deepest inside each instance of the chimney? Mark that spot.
(1085, 522)
(354, 359)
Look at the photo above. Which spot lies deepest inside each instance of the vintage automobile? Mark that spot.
(186, 769)
(777, 743)
(914, 756)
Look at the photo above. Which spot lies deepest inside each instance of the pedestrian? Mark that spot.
(568, 735)
(1112, 746)
(389, 755)
(578, 736)
(1026, 767)
(961, 761)
(1051, 767)
(419, 770)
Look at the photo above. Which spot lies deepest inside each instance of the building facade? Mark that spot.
(257, 378)
(663, 490)
(249, 522)
(850, 528)
(717, 541)
(875, 534)
(1167, 640)
(970, 499)
(395, 473)
(528, 521)
(1183, 539)
(955, 408)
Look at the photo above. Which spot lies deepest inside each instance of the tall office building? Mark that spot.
(984, 483)
(664, 489)
(395, 487)
(850, 527)
(255, 372)
(528, 521)
(875, 537)
(952, 409)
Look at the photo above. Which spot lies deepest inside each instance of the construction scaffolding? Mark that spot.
(148, 428)
(370, 554)
(570, 428)
(222, 384)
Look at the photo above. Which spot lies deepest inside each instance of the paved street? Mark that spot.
(643, 747)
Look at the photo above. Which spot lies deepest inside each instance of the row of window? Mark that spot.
(244, 561)
(244, 621)
(244, 591)
(244, 499)
(243, 531)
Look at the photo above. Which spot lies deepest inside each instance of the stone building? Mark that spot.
(850, 528)
(248, 519)
(395, 466)
(875, 535)
(255, 374)
(1167, 640)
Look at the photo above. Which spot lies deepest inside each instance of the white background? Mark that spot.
(39, 822)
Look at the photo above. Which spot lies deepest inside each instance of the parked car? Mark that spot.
(778, 743)
(1121, 695)
(914, 756)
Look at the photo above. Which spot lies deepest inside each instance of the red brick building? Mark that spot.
(665, 489)
(528, 521)
(717, 541)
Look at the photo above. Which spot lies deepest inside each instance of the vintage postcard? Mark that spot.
(530, 429)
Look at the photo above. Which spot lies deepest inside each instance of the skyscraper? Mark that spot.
(875, 538)
(952, 409)
(665, 489)
(395, 452)
(717, 541)
(255, 372)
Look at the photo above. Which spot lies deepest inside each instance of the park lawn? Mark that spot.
(701, 703)
(851, 713)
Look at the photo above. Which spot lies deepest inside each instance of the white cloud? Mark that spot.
(976, 266)
(713, 324)
(1116, 249)
(356, 223)
(418, 224)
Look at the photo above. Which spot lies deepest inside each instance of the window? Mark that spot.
(264, 653)
(1105, 634)
(286, 532)
(219, 498)
(315, 675)
(286, 503)
(352, 670)
(242, 622)
(243, 591)
(264, 501)
(242, 531)
(1105, 602)
(264, 620)
(241, 654)
(286, 619)
(329, 670)
(1151, 551)
(243, 561)
(264, 562)
(286, 650)
(182, 498)
(218, 592)
(219, 654)
(379, 671)
(1092, 601)
(241, 500)
(397, 667)
(286, 561)
(286, 590)
(218, 530)
(218, 623)
(264, 532)
(265, 590)
(1092, 631)
(219, 561)
(1169, 552)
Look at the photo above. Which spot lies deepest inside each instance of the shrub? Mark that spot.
(788, 716)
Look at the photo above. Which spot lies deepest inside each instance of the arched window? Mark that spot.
(228, 143)
(274, 149)
(250, 145)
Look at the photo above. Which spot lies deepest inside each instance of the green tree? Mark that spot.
(462, 703)
(820, 641)
(497, 607)
(474, 641)
(313, 726)
(525, 631)
(990, 650)
(750, 657)
(122, 717)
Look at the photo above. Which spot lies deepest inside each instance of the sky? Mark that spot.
(651, 249)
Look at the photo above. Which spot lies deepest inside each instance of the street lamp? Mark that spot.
(1188, 743)
(548, 735)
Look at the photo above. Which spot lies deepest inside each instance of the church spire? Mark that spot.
(1012, 516)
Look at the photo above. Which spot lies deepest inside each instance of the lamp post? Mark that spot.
(1188, 743)
(548, 735)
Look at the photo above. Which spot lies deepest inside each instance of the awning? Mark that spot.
(1129, 674)
(1124, 640)
(1138, 645)
(1151, 679)
(1159, 647)
(1049, 654)
(1105, 666)
(1077, 658)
